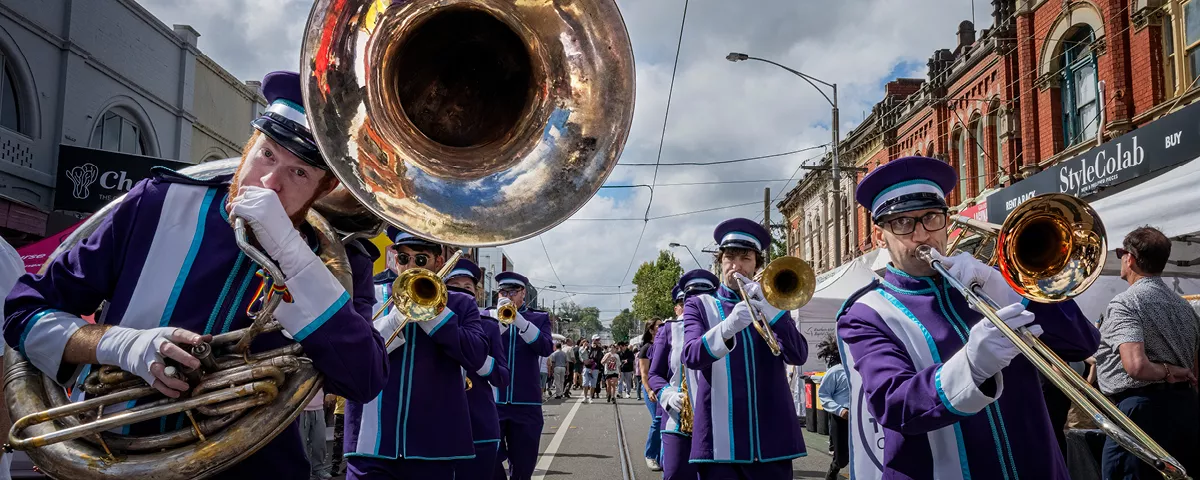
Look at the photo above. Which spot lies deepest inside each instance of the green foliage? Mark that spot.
(583, 321)
(778, 240)
(654, 281)
(624, 325)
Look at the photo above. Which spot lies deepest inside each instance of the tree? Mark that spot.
(584, 321)
(779, 240)
(623, 326)
(654, 281)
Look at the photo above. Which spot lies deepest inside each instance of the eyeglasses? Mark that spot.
(931, 222)
(419, 259)
(1121, 252)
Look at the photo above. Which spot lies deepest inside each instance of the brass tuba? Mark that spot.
(233, 392)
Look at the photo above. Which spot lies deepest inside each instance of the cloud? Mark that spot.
(719, 110)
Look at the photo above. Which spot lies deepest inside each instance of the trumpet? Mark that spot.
(506, 313)
(419, 295)
(685, 406)
(1052, 248)
(787, 283)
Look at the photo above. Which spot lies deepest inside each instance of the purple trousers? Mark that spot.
(521, 435)
(400, 469)
(482, 465)
(781, 470)
(675, 452)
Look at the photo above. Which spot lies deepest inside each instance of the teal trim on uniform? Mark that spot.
(237, 300)
(905, 291)
(491, 366)
(410, 336)
(900, 185)
(704, 341)
(729, 384)
(750, 417)
(212, 318)
(996, 439)
(367, 455)
(902, 273)
(29, 326)
(128, 405)
(449, 315)
(379, 419)
(497, 440)
(786, 457)
(324, 317)
(1004, 434)
(1024, 302)
(777, 317)
(937, 381)
(197, 239)
(525, 403)
(463, 457)
(709, 460)
(224, 213)
(960, 327)
(539, 334)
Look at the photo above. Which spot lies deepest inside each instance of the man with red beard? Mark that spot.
(171, 234)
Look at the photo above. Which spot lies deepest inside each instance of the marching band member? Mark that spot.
(419, 427)
(926, 371)
(485, 424)
(167, 262)
(520, 405)
(740, 388)
(666, 377)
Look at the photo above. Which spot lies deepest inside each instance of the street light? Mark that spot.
(677, 245)
(837, 198)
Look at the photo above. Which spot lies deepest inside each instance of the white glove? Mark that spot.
(142, 353)
(386, 325)
(754, 295)
(988, 350)
(519, 322)
(969, 270)
(263, 212)
(673, 400)
(738, 319)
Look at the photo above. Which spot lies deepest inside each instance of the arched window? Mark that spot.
(1080, 104)
(1180, 33)
(995, 122)
(118, 131)
(981, 157)
(961, 155)
(10, 103)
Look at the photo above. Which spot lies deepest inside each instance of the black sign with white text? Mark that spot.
(88, 179)
(1166, 142)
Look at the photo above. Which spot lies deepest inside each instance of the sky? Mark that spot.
(718, 111)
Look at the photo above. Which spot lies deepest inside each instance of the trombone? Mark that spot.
(1050, 249)
(419, 295)
(787, 283)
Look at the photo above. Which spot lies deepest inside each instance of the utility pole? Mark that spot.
(767, 220)
(837, 185)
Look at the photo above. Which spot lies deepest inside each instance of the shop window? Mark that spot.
(117, 131)
(1080, 104)
(10, 103)
(1181, 33)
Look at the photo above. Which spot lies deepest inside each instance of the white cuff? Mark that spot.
(773, 314)
(714, 340)
(316, 296)
(434, 324)
(44, 339)
(386, 326)
(956, 387)
(486, 369)
(529, 331)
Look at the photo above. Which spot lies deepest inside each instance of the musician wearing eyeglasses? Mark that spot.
(493, 375)
(667, 376)
(743, 410)
(519, 405)
(936, 390)
(166, 261)
(420, 426)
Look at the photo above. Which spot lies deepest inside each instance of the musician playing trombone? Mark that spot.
(743, 424)
(419, 427)
(666, 377)
(166, 261)
(936, 390)
(481, 399)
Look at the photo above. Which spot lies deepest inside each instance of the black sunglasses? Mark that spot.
(419, 259)
(1121, 252)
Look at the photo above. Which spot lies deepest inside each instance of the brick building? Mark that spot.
(1048, 81)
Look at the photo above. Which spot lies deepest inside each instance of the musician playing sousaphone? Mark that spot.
(167, 262)
(936, 390)
(743, 424)
(419, 428)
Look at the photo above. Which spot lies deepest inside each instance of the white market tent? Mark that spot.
(816, 319)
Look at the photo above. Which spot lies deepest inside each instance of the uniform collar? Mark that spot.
(896, 278)
(727, 294)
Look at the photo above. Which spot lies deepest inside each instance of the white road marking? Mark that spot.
(547, 457)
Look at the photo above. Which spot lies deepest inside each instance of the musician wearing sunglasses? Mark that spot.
(481, 399)
(666, 377)
(167, 262)
(519, 405)
(420, 426)
(743, 410)
(936, 390)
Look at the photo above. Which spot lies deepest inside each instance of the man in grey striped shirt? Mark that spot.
(1148, 341)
